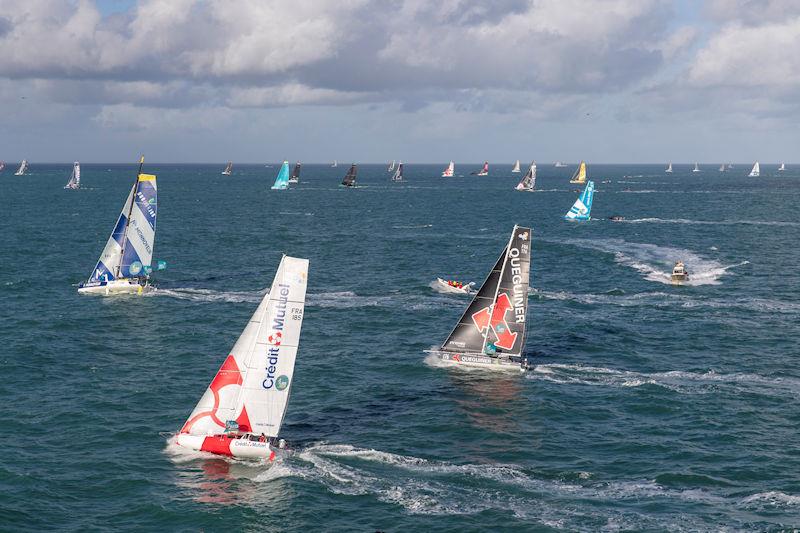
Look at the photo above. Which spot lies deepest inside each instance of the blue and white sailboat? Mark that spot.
(124, 266)
(582, 209)
(282, 181)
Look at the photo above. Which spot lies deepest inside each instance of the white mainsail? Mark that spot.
(448, 172)
(516, 167)
(669, 168)
(23, 168)
(252, 386)
(756, 171)
(75, 179)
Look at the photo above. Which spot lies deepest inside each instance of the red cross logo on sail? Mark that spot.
(275, 338)
(496, 319)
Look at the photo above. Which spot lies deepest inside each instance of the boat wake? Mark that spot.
(710, 222)
(208, 295)
(655, 262)
(675, 380)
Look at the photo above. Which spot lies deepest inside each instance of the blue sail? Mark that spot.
(282, 181)
(582, 208)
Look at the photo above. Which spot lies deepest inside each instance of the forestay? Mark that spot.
(494, 322)
(252, 386)
(130, 247)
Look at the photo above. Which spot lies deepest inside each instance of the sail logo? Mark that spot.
(275, 340)
(494, 317)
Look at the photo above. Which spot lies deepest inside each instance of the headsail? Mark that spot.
(75, 179)
(494, 323)
(580, 174)
(582, 208)
(129, 250)
(398, 174)
(756, 171)
(23, 168)
(448, 172)
(349, 179)
(295, 177)
(282, 180)
(252, 386)
(228, 169)
(529, 179)
(516, 167)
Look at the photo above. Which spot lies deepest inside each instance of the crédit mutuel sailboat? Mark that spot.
(448, 172)
(242, 410)
(74, 179)
(491, 332)
(528, 181)
(124, 266)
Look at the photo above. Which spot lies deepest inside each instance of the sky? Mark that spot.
(425, 81)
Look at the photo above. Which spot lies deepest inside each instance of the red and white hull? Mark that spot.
(228, 446)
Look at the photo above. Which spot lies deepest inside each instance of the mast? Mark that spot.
(128, 219)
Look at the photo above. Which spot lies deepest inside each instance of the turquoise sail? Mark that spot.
(582, 209)
(282, 181)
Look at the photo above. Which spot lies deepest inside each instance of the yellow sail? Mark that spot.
(580, 175)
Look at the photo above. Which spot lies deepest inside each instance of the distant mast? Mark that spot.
(398, 174)
(228, 169)
(448, 172)
(295, 177)
(349, 179)
(669, 168)
(756, 171)
(516, 169)
(528, 180)
(580, 174)
(23, 168)
(75, 179)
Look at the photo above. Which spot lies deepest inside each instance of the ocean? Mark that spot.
(651, 406)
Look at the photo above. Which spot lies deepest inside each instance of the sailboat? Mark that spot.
(669, 168)
(516, 169)
(335, 164)
(75, 179)
(349, 179)
(528, 180)
(242, 410)
(282, 180)
(295, 177)
(491, 332)
(756, 171)
(696, 168)
(581, 210)
(483, 172)
(722, 168)
(124, 266)
(580, 174)
(398, 174)
(448, 172)
(780, 168)
(559, 164)
(391, 166)
(2, 165)
(228, 169)
(23, 168)
(730, 166)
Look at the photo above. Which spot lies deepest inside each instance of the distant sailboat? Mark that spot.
(730, 166)
(669, 168)
(282, 180)
(696, 168)
(228, 169)
(398, 174)
(722, 168)
(448, 172)
(242, 410)
(580, 174)
(124, 266)
(491, 332)
(582, 208)
(23, 168)
(756, 171)
(2, 165)
(335, 164)
(483, 172)
(516, 169)
(75, 179)
(391, 166)
(559, 164)
(528, 180)
(295, 177)
(349, 179)
(780, 168)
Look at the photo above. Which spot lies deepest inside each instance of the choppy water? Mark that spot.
(652, 406)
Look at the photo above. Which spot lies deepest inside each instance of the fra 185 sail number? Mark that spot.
(296, 313)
